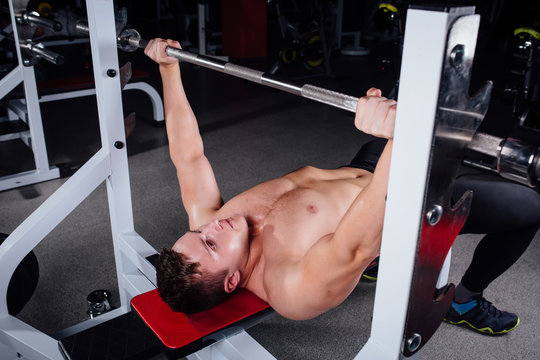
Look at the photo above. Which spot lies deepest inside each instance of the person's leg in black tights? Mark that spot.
(509, 215)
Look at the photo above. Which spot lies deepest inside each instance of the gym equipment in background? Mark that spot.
(303, 41)
(21, 118)
(349, 23)
(523, 83)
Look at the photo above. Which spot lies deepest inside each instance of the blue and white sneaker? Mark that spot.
(481, 316)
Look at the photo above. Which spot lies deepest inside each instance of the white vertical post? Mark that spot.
(34, 120)
(101, 23)
(418, 96)
(32, 104)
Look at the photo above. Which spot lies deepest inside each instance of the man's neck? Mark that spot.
(253, 270)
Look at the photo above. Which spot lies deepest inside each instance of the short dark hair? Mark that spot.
(183, 286)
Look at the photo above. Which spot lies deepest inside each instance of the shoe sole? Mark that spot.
(486, 330)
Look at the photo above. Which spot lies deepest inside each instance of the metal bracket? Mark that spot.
(458, 118)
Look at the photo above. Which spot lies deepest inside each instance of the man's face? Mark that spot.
(217, 246)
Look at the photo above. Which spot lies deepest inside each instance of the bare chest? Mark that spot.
(304, 215)
(293, 212)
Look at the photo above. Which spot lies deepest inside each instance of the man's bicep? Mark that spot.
(199, 189)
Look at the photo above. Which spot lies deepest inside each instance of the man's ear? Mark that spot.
(232, 281)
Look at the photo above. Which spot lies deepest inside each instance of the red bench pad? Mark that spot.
(176, 329)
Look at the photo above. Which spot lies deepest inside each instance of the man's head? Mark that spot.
(204, 266)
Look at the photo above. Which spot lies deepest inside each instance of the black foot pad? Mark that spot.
(124, 337)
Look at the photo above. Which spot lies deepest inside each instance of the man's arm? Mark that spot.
(199, 190)
(330, 270)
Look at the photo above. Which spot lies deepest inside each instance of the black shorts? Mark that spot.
(368, 155)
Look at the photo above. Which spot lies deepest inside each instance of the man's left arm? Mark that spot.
(357, 239)
(330, 270)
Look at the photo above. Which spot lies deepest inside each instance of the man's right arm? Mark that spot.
(200, 192)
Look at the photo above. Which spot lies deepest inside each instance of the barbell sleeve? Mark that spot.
(519, 161)
(485, 144)
(516, 159)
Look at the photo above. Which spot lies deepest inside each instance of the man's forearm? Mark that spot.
(182, 129)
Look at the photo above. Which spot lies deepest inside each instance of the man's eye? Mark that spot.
(211, 245)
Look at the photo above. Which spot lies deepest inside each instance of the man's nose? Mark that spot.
(215, 225)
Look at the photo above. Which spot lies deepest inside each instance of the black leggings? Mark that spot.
(508, 213)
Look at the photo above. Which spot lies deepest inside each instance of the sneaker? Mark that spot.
(371, 271)
(482, 316)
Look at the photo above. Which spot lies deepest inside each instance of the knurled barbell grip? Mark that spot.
(333, 98)
(485, 144)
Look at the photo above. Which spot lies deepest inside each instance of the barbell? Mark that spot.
(130, 40)
(515, 159)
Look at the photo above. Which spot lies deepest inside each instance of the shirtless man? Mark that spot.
(300, 242)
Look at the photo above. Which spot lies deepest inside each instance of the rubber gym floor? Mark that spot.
(251, 134)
